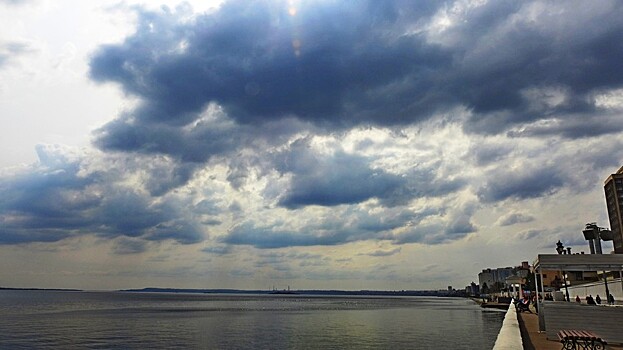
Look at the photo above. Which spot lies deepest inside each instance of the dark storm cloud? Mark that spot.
(260, 63)
(245, 77)
(59, 198)
(240, 85)
(16, 235)
(570, 46)
(44, 204)
(195, 143)
(521, 183)
(343, 64)
(353, 225)
(324, 231)
(575, 126)
(341, 178)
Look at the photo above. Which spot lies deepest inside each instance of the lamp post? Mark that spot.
(561, 250)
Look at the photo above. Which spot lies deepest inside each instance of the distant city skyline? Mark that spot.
(383, 145)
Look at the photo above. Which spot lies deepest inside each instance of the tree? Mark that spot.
(530, 281)
(497, 287)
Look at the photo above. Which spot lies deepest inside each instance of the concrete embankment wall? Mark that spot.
(510, 334)
(598, 288)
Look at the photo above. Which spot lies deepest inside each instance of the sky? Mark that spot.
(315, 144)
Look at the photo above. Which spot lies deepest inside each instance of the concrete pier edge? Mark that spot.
(510, 334)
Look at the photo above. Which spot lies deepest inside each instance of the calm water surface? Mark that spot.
(75, 320)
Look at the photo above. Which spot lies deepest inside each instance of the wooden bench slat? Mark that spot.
(572, 336)
(591, 335)
(564, 334)
(580, 334)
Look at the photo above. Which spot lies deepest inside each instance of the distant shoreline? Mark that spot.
(45, 289)
(437, 293)
(432, 293)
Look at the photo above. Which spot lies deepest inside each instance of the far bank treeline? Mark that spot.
(438, 293)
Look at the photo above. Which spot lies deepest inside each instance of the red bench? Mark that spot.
(578, 339)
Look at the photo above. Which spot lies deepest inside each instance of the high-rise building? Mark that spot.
(614, 200)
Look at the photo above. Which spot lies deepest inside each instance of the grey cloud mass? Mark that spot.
(345, 64)
(60, 198)
(249, 120)
(265, 238)
(382, 253)
(340, 179)
(514, 218)
(260, 63)
(521, 183)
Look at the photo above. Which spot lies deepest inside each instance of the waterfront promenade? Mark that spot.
(533, 340)
(527, 337)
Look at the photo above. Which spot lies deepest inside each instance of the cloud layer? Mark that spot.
(265, 126)
(341, 65)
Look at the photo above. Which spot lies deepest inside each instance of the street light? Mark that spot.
(561, 250)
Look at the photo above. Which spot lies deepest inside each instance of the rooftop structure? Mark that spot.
(554, 316)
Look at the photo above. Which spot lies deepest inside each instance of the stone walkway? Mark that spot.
(533, 340)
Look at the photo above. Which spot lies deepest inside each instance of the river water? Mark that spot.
(78, 320)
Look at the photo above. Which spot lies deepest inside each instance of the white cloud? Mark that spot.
(612, 99)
